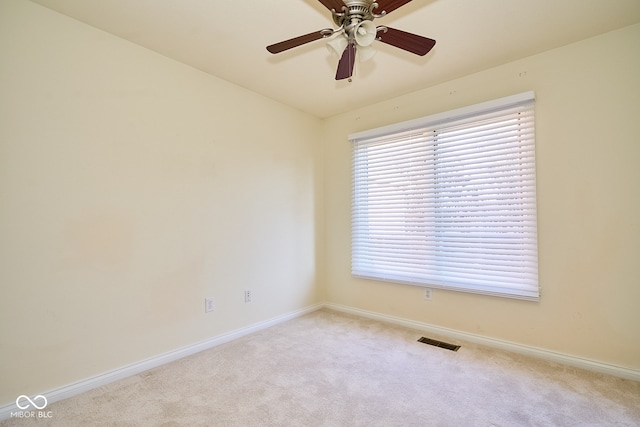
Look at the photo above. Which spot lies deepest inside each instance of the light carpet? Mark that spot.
(333, 369)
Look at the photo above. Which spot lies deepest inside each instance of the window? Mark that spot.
(449, 201)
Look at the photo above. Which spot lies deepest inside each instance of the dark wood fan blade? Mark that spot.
(298, 41)
(410, 42)
(389, 5)
(345, 66)
(332, 4)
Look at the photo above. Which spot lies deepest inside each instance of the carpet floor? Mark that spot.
(332, 369)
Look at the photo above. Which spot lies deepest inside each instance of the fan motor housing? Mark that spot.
(354, 12)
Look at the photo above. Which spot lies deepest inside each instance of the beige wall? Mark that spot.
(131, 188)
(588, 173)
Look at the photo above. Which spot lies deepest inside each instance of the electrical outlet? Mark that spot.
(428, 294)
(209, 305)
(247, 296)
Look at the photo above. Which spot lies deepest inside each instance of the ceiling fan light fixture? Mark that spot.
(337, 44)
(365, 53)
(365, 33)
(356, 32)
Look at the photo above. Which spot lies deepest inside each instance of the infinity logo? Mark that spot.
(31, 402)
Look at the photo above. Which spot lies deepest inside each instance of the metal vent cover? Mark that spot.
(440, 344)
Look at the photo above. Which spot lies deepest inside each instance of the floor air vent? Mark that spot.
(441, 344)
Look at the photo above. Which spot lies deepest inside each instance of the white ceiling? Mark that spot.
(228, 38)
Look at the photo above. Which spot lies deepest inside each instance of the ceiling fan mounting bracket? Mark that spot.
(329, 32)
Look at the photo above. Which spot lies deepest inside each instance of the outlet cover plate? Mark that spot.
(209, 305)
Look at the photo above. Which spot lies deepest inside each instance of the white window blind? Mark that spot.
(449, 201)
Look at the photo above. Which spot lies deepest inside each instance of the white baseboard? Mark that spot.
(577, 362)
(100, 380)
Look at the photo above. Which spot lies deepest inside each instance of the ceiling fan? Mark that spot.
(356, 32)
